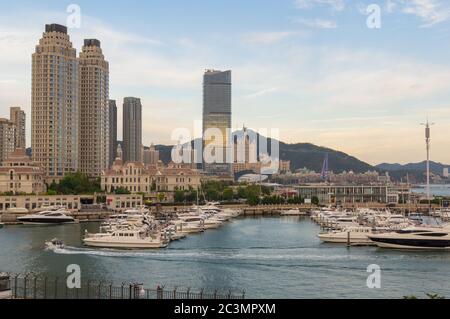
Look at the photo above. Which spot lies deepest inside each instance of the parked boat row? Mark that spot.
(138, 229)
(381, 228)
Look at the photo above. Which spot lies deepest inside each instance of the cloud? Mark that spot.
(337, 5)
(261, 93)
(431, 12)
(317, 23)
(267, 38)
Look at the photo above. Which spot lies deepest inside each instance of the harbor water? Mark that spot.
(269, 257)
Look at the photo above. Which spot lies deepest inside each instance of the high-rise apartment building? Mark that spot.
(217, 116)
(7, 138)
(55, 104)
(151, 155)
(112, 131)
(17, 116)
(94, 109)
(132, 129)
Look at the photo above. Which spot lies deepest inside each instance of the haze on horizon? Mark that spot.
(311, 68)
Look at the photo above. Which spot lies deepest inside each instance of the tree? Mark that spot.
(315, 200)
(75, 184)
(179, 196)
(228, 194)
(121, 191)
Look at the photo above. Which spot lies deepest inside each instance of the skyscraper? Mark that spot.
(94, 109)
(17, 116)
(132, 129)
(7, 134)
(112, 131)
(54, 103)
(151, 155)
(217, 115)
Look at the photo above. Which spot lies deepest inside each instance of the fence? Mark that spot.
(36, 287)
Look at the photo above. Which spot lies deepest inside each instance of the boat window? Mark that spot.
(433, 234)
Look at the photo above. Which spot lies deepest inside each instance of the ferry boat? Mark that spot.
(47, 217)
(421, 238)
(126, 239)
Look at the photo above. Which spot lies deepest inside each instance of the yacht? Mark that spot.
(126, 239)
(350, 235)
(415, 238)
(291, 212)
(47, 217)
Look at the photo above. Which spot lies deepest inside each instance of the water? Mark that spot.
(435, 190)
(268, 257)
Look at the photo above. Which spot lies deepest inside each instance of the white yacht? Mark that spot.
(186, 227)
(422, 238)
(47, 217)
(292, 212)
(126, 239)
(350, 235)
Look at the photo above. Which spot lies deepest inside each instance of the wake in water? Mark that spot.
(247, 254)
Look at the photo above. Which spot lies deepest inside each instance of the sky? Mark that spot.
(311, 68)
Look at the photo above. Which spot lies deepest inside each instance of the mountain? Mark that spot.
(435, 167)
(301, 155)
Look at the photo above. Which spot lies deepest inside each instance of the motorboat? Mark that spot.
(54, 244)
(126, 239)
(47, 217)
(350, 235)
(186, 227)
(423, 238)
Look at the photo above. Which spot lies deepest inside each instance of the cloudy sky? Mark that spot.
(311, 68)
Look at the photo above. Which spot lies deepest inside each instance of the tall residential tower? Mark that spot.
(112, 131)
(54, 103)
(132, 129)
(17, 116)
(94, 109)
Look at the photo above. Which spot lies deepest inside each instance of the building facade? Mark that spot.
(345, 194)
(94, 109)
(19, 175)
(112, 131)
(138, 178)
(55, 104)
(151, 155)
(132, 129)
(7, 138)
(17, 116)
(217, 119)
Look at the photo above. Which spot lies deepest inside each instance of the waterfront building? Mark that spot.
(112, 131)
(94, 109)
(7, 138)
(138, 178)
(122, 202)
(217, 116)
(18, 174)
(132, 129)
(17, 116)
(345, 194)
(32, 202)
(55, 103)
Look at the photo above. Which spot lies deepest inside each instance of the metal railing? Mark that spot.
(38, 287)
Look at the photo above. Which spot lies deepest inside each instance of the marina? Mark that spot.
(269, 257)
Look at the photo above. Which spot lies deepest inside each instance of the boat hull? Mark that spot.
(122, 245)
(416, 244)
